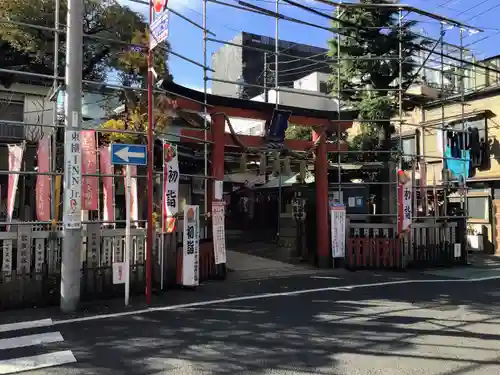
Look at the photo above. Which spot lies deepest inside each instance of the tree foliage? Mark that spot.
(133, 70)
(32, 49)
(115, 47)
(298, 132)
(371, 85)
(135, 121)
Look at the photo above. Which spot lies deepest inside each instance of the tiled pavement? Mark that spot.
(251, 267)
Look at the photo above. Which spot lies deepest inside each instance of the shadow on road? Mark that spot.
(453, 328)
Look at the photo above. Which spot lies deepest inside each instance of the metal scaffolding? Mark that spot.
(60, 91)
(452, 63)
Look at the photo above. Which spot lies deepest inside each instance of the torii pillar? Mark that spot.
(321, 179)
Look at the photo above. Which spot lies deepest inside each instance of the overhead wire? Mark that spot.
(484, 12)
(300, 58)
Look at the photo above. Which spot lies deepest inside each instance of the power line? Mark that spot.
(483, 12)
(472, 7)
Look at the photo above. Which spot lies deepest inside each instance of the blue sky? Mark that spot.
(226, 22)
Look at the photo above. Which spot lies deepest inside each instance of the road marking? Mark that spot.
(11, 366)
(325, 277)
(30, 340)
(264, 296)
(25, 325)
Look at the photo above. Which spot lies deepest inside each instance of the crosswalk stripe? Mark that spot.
(11, 366)
(25, 325)
(30, 340)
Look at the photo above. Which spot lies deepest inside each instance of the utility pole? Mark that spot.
(72, 239)
(266, 96)
(150, 231)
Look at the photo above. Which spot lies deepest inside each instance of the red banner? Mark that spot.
(107, 183)
(90, 184)
(43, 181)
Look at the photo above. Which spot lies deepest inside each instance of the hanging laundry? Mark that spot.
(452, 143)
(485, 155)
(460, 166)
(474, 147)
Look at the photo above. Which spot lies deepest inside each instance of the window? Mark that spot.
(11, 111)
(323, 87)
(478, 208)
(478, 123)
(409, 148)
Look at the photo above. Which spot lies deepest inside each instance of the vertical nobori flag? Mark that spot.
(170, 187)
(15, 159)
(107, 183)
(134, 209)
(405, 194)
(191, 246)
(90, 184)
(42, 192)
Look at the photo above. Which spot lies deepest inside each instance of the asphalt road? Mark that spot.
(352, 328)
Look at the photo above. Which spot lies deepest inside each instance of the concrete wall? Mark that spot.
(303, 99)
(227, 63)
(312, 82)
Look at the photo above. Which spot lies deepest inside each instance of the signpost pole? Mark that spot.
(128, 155)
(128, 189)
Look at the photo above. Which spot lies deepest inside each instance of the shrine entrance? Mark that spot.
(261, 214)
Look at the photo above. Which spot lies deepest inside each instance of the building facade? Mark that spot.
(24, 110)
(307, 92)
(235, 63)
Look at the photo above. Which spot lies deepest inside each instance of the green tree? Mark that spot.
(32, 49)
(115, 45)
(298, 132)
(373, 32)
(132, 65)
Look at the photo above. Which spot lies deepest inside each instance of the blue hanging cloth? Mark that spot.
(459, 167)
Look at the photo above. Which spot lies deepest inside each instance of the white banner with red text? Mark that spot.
(191, 246)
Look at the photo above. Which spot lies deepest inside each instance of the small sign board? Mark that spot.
(119, 274)
(128, 154)
(158, 30)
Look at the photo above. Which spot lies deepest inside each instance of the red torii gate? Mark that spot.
(218, 106)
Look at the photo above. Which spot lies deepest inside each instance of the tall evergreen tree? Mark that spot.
(371, 85)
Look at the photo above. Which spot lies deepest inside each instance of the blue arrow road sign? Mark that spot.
(128, 154)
